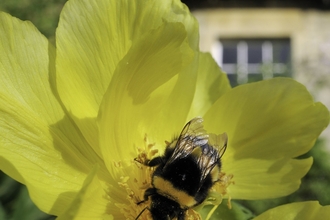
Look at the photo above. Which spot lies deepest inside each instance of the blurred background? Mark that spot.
(251, 41)
(261, 39)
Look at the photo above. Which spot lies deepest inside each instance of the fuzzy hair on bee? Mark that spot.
(185, 173)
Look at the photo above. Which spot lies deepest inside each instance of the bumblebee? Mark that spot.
(185, 173)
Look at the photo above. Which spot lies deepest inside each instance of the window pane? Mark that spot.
(254, 59)
(254, 51)
(282, 52)
(229, 54)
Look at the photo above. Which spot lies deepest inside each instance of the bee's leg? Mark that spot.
(155, 161)
(181, 215)
(142, 212)
(144, 163)
(147, 193)
(151, 163)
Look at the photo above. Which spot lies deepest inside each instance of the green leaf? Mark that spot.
(3, 214)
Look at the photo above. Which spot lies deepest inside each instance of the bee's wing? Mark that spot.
(207, 148)
(193, 135)
(219, 142)
(211, 154)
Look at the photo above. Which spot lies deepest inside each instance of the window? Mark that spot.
(249, 60)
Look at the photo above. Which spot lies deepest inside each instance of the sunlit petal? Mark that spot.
(273, 120)
(260, 178)
(211, 84)
(143, 86)
(40, 146)
(90, 202)
(92, 37)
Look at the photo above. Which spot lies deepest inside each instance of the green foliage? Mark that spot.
(43, 14)
(15, 203)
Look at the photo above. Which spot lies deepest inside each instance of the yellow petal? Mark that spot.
(92, 37)
(259, 179)
(300, 210)
(90, 202)
(145, 83)
(273, 120)
(211, 84)
(40, 146)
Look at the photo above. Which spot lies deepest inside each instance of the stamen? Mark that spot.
(225, 181)
(137, 181)
(192, 215)
(217, 193)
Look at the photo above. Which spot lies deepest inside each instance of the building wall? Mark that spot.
(309, 31)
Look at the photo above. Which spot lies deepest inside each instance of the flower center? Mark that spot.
(138, 180)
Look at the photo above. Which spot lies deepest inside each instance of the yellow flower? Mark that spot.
(126, 76)
(300, 210)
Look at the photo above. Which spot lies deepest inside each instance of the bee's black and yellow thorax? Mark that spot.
(181, 181)
(185, 173)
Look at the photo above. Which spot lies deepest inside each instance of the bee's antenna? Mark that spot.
(141, 212)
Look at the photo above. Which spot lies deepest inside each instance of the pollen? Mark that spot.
(147, 152)
(226, 180)
(137, 181)
(192, 215)
(221, 188)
